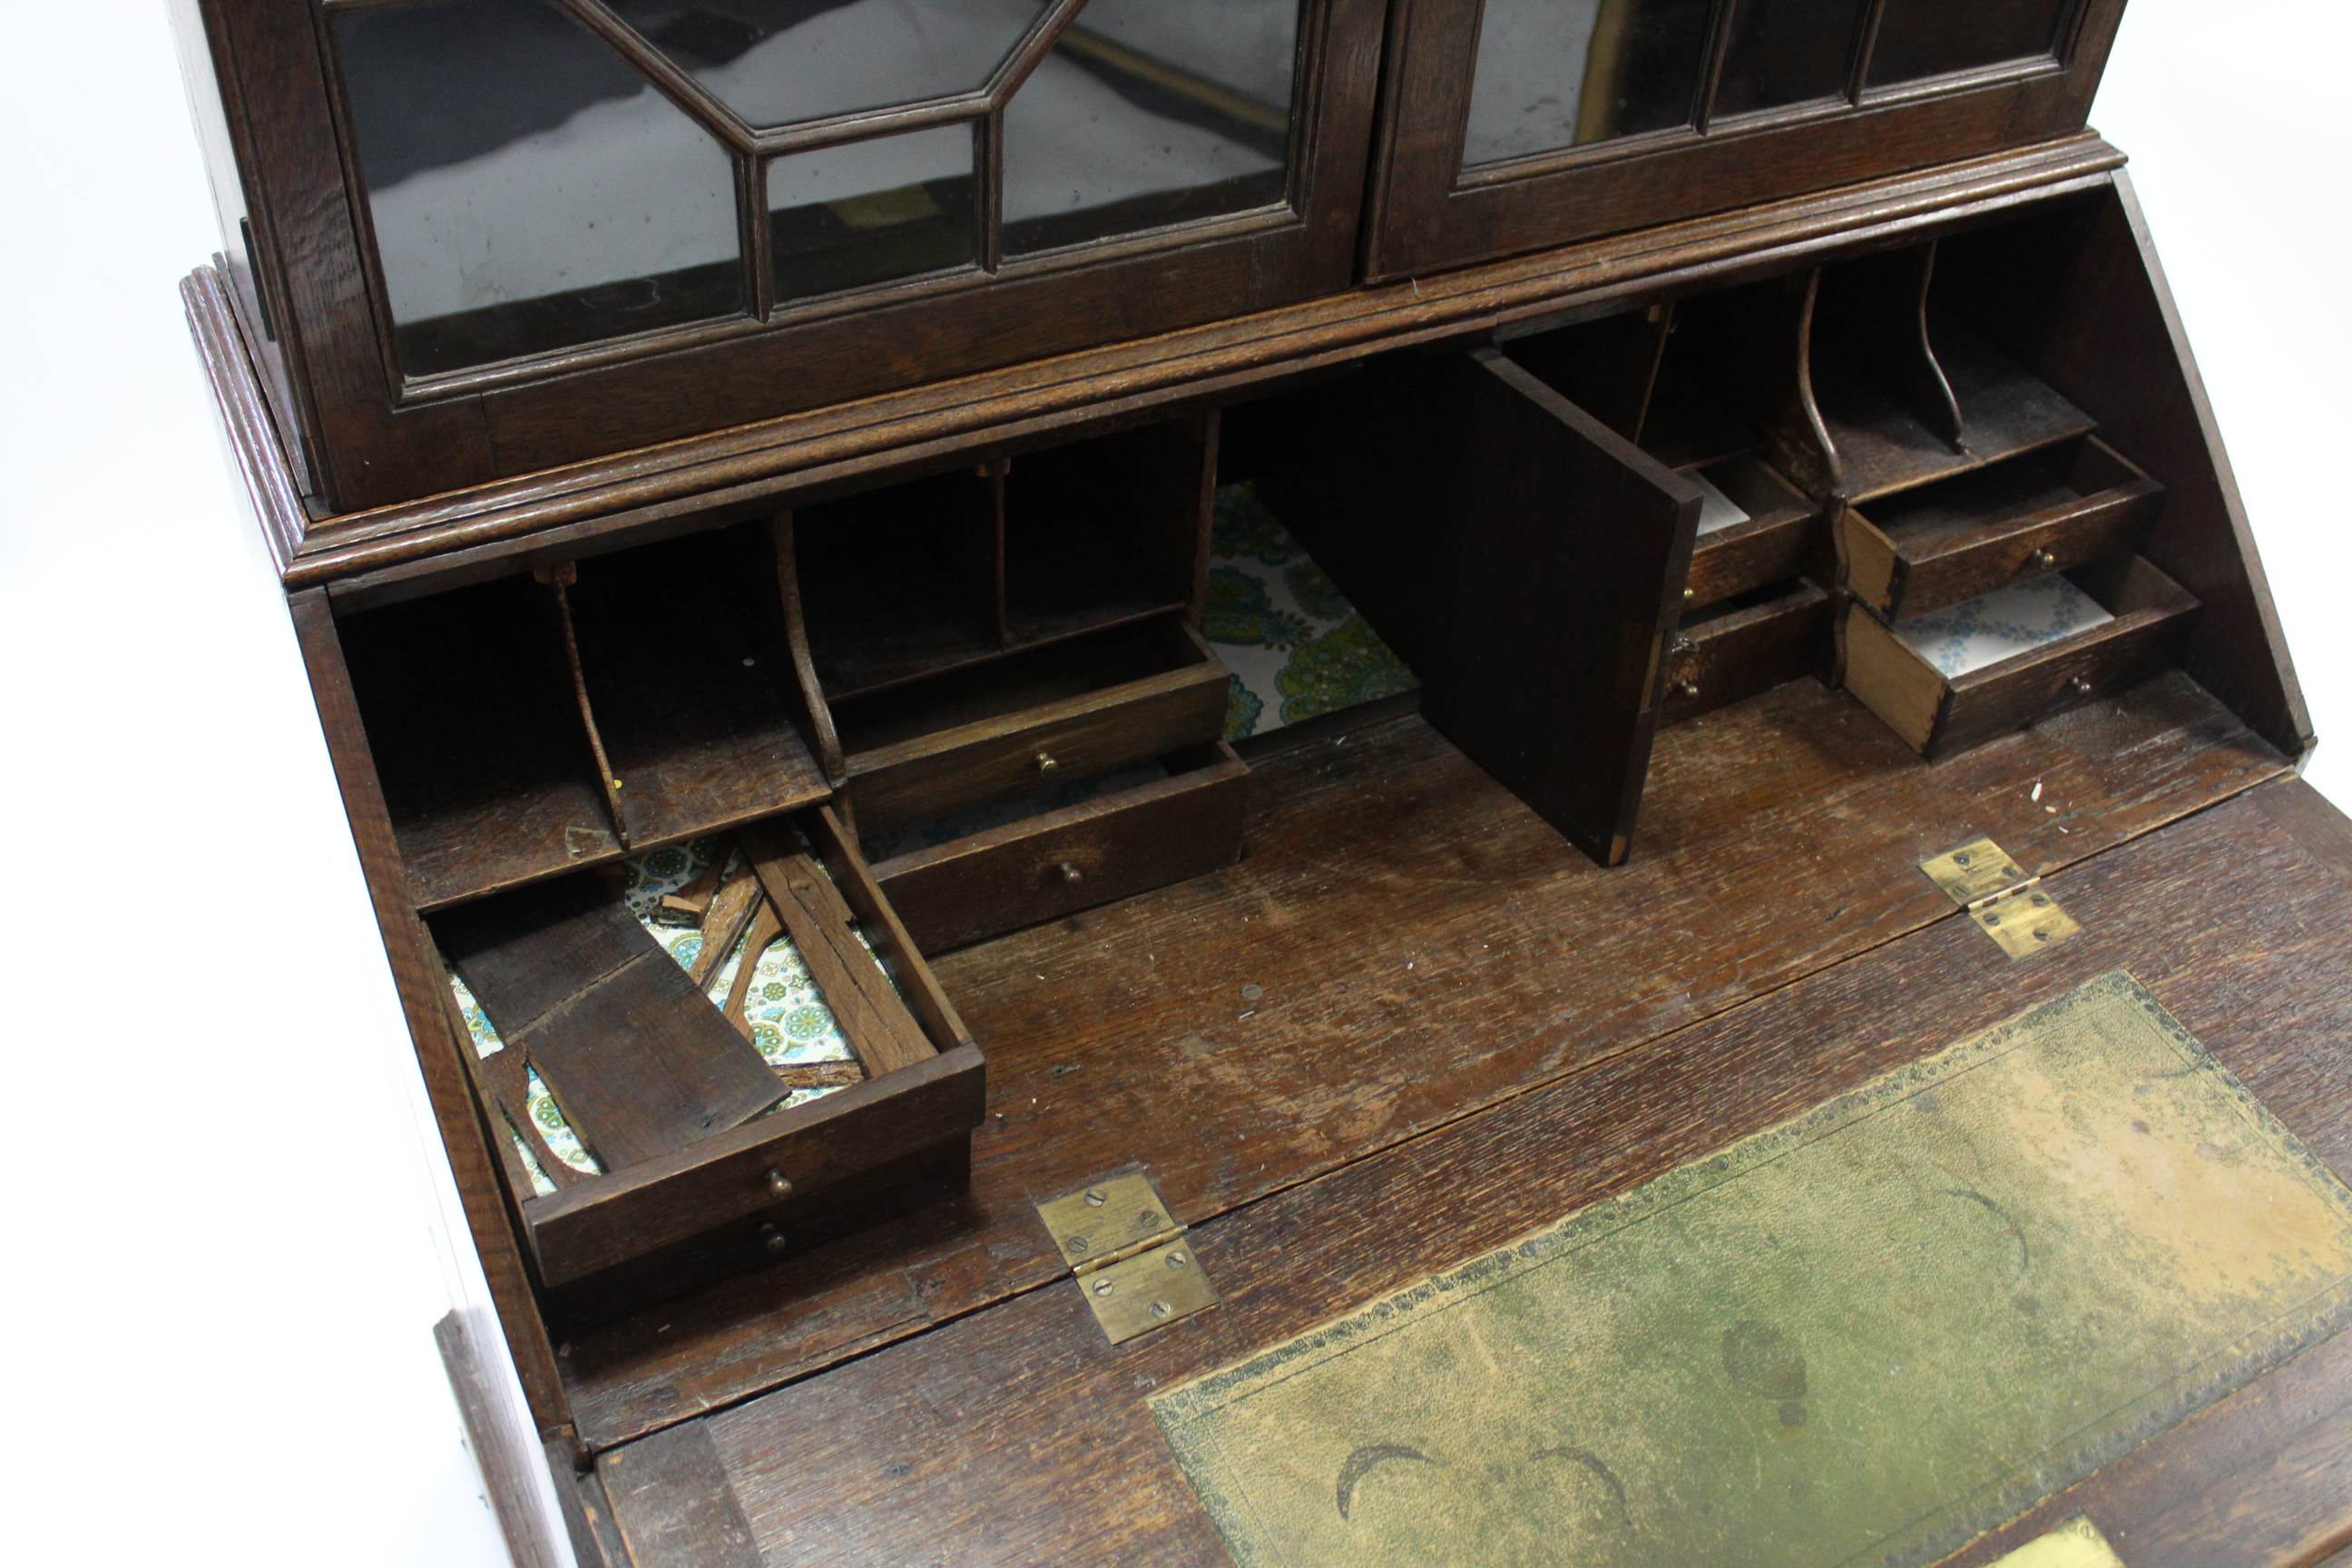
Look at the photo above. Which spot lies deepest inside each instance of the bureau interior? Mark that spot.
(1935, 437)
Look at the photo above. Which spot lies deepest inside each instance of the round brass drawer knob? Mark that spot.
(771, 1238)
(1687, 688)
(1071, 876)
(2041, 559)
(2080, 686)
(1047, 765)
(778, 1183)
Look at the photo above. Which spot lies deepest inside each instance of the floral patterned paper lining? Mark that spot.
(1296, 646)
(791, 1023)
(2001, 624)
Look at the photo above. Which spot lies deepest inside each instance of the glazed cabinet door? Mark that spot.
(1516, 124)
(493, 235)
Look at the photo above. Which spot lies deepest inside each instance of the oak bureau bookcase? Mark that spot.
(974, 641)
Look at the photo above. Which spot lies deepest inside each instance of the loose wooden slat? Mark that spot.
(723, 923)
(766, 927)
(879, 1028)
(630, 1049)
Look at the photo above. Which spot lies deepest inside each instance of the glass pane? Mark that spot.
(1561, 73)
(873, 210)
(1928, 37)
(1786, 51)
(1150, 112)
(777, 62)
(529, 191)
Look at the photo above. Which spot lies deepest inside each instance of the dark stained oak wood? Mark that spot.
(487, 766)
(1059, 862)
(1783, 536)
(466, 1134)
(640, 1061)
(2076, 295)
(1066, 709)
(1721, 658)
(1950, 542)
(747, 471)
(1503, 959)
(1018, 1436)
(381, 436)
(691, 720)
(2153, 618)
(882, 1033)
(1427, 213)
(670, 1502)
(1566, 552)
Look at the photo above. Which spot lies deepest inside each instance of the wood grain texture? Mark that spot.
(598, 1226)
(1427, 216)
(640, 1061)
(1059, 862)
(2077, 296)
(1719, 659)
(747, 471)
(1566, 553)
(508, 1463)
(465, 1132)
(670, 1499)
(1505, 959)
(1016, 1436)
(880, 1030)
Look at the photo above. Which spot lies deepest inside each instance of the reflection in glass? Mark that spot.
(1786, 51)
(778, 62)
(1928, 37)
(871, 211)
(1561, 73)
(528, 192)
(1149, 112)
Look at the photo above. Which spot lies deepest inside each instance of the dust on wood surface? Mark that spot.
(1866, 1335)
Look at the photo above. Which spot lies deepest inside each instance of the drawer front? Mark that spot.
(1724, 659)
(597, 1230)
(1063, 862)
(1896, 582)
(2103, 661)
(923, 777)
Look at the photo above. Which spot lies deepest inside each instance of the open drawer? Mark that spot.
(1928, 548)
(1068, 709)
(1140, 831)
(655, 1132)
(1743, 646)
(2103, 628)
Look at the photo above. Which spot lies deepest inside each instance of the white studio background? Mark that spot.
(229, 1241)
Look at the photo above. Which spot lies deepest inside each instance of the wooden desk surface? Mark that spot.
(1335, 1124)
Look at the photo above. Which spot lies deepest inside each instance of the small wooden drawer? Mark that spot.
(1055, 864)
(1065, 709)
(693, 1176)
(1747, 646)
(1939, 715)
(1951, 542)
(1777, 540)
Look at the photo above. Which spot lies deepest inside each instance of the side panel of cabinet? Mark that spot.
(1428, 213)
(2077, 296)
(1566, 553)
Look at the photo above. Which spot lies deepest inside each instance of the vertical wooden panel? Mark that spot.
(1567, 551)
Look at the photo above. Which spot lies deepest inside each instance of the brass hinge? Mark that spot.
(2005, 903)
(1133, 1261)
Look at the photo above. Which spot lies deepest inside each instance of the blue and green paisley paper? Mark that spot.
(791, 1023)
(1295, 646)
